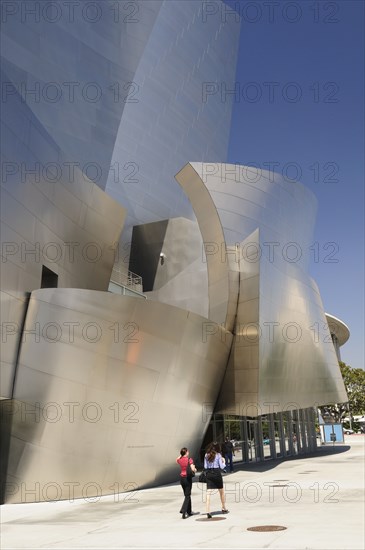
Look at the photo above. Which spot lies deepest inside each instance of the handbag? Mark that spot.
(203, 477)
(189, 471)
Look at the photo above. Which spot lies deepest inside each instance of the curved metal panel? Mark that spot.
(122, 383)
(282, 356)
(246, 198)
(338, 328)
(76, 72)
(112, 118)
(60, 220)
(340, 333)
(214, 244)
(181, 277)
(173, 115)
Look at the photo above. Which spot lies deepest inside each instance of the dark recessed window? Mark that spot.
(49, 278)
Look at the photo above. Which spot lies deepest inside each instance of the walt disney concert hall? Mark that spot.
(152, 295)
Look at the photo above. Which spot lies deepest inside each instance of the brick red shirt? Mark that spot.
(183, 462)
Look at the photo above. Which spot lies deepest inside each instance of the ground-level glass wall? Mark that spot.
(270, 436)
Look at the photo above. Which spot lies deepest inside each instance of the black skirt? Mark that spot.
(214, 478)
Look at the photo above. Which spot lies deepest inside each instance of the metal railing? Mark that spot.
(124, 277)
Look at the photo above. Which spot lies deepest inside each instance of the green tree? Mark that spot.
(354, 380)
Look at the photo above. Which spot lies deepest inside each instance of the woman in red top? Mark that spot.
(185, 481)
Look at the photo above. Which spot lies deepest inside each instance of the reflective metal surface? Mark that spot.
(108, 388)
(128, 90)
(222, 289)
(105, 388)
(75, 68)
(66, 224)
(88, 100)
(340, 333)
(171, 258)
(338, 329)
(283, 357)
(180, 110)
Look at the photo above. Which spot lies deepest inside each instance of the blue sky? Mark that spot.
(314, 119)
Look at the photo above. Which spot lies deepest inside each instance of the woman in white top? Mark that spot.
(214, 463)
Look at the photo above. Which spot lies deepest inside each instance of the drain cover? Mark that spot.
(267, 528)
(214, 518)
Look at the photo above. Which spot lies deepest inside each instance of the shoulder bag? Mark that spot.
(189, 471)
(203, 477)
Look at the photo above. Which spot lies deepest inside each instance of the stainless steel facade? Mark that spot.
(282, 356)
(340, 333)
(94, 93)
(180, 101)
(105, 393)
(50, 220)
(128, 90)
(80, 365)
(84, 98)
(74, 67)
(179, 274)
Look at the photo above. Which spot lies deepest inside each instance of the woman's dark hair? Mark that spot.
(212, 450)
(183, 451)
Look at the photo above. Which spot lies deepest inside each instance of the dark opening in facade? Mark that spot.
(49, 278)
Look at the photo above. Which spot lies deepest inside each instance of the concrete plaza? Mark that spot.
(318, 498)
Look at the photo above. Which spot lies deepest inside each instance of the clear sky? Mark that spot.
(301, 80)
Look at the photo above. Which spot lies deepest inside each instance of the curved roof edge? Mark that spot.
(338, 328)
(269, 175)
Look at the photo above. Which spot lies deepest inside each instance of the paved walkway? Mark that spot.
(319, 499)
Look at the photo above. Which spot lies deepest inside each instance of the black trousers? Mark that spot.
(186, 485)
(229, 461)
